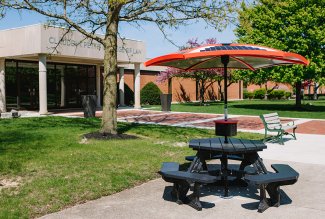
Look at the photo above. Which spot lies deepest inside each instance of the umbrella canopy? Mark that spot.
(232, 56)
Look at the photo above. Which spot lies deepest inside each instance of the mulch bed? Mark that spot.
(100, 136)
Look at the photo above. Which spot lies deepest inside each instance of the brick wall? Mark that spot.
(184, 89)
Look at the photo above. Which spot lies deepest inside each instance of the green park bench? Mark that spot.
(272, 123)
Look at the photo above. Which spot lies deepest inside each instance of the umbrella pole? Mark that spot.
(225, 61)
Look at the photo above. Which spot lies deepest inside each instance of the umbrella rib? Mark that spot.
(243, 62)
(199, 63)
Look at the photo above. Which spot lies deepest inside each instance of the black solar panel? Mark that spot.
(227, 47)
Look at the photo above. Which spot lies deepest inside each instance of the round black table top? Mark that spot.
(234, 145)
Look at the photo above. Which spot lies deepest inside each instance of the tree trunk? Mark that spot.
(315, 97)
(109, 116)
(266, 94)
(202, 92)
(298, 94)
(220, 90)
(170, 85)
(197, 89)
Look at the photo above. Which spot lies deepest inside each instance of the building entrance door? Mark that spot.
(72, 88)
(79, 80)
(54, 74)
(28, 93)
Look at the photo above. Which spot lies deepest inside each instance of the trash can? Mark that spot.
(166, 102)
(89, 105)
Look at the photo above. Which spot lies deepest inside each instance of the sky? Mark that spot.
(155, 42)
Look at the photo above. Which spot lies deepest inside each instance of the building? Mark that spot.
(44, 67)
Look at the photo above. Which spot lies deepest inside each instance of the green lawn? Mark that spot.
(49, 167)
(285, 108)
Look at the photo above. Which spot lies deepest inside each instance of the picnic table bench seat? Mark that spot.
(181, 180)
(215, 156)
(219, 156)
(272, 123)
(271, 182)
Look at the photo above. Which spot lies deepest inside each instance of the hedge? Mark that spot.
(276, 94)
(248, 94)
(259, 93)
(150, 94)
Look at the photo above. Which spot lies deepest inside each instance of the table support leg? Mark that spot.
(253, 158)
(199, 163)
(224, 172)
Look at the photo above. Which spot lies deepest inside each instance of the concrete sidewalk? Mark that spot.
(152, 199)
(308, 149)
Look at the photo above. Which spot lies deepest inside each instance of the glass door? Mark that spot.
(53, 86)
(27, 85)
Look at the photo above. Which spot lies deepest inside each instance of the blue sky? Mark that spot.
(155, 42)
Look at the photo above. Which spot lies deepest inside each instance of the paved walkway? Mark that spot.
(304, 199)
(205, 120)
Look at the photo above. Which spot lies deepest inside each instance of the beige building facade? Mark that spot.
(44, 67)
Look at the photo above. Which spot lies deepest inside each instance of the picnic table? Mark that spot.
(224, 149)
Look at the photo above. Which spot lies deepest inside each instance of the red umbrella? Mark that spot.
(233, 56)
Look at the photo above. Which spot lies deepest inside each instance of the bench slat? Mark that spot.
(169, 166)
(286, 127)
(269, 178)
(284, 168)
(272, 120)
(270, 115)
(197, 177)
(283, 173)
(218, 156)
(274, 126)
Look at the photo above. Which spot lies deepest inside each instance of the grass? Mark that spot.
(285, 108)
(53, 168)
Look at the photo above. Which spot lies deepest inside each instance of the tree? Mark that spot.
(289, 25)
(258, 77)
(90, 17)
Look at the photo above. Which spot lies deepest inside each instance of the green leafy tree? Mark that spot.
(258, 77)
(289, 25)
(105, 16)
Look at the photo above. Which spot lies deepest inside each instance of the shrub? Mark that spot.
(150, 94)
(259, 93)
(271, 95)
(279, 94)
(276, 94)
(287, 94)
(248, 95)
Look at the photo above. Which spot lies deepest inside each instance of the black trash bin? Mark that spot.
(89, 105)
(166, 101)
